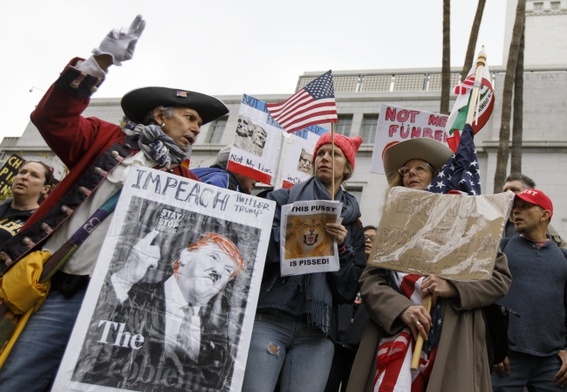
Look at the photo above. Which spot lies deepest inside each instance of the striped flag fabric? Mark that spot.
(458, 116)
(394, 353)
(313, 104)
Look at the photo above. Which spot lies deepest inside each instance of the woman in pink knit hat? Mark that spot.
(296, 319)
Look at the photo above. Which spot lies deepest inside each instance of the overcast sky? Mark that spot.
(225, 47)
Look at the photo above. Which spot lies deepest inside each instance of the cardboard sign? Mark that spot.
(454, 236)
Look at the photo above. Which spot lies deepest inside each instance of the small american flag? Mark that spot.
(460, 174)
(313, 104)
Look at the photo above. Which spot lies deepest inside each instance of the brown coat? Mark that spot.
(461, 363)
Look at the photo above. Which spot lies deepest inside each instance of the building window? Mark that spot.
(368, 127)
(216, 129)
(344, 124)
(410, 82)
(355, 190)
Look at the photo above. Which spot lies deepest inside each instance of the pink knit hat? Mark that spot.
(348, 145)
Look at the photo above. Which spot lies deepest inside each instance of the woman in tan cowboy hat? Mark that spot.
(455, 356)
(424, 155)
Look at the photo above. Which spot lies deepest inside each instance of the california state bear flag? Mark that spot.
(484, 105)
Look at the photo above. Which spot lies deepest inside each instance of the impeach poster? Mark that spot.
(171, 303)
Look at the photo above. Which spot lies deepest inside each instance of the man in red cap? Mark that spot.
(517, 182)
(164, 124)
(537, 295)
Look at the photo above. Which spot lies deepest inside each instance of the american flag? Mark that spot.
(460, 174)
(313, 104)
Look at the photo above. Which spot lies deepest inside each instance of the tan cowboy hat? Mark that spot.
(433, 152)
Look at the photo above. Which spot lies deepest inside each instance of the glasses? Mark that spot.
(369, 237)
(419, 169)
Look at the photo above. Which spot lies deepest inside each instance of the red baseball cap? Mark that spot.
(537, 197)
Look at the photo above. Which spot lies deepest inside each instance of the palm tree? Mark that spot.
(469, 57)
(507, 94)
(518, 119)
(446, 58)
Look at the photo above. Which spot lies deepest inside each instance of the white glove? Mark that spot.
(120, 43)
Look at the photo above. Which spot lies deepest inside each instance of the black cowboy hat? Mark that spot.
(136, 104)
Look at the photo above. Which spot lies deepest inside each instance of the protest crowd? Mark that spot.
(106, 285)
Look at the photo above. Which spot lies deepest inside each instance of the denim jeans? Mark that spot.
(35, 358)
(286, 348)
(528, 370)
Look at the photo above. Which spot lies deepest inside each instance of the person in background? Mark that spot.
(369, 237)
(296, 319)
(455, 356)
(218, 174)
(352, 318)
(517, 182)
(29, 187)
(537, 338)
(164, 124)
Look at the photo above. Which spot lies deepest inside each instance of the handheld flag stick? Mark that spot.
(333, 161)
(475, 97)
(419, 341)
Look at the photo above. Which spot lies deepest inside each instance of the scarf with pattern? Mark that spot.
(156, 145)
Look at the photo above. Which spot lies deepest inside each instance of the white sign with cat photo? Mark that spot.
(305, 245)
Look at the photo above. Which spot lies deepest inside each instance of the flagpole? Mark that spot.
(333, 161)
(419, 341)
(473, 106)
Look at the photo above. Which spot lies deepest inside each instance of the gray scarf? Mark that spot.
(156, 145)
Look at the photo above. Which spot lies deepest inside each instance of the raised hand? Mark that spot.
(121, 43)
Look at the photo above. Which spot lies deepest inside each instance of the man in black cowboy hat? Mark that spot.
(164, 123)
